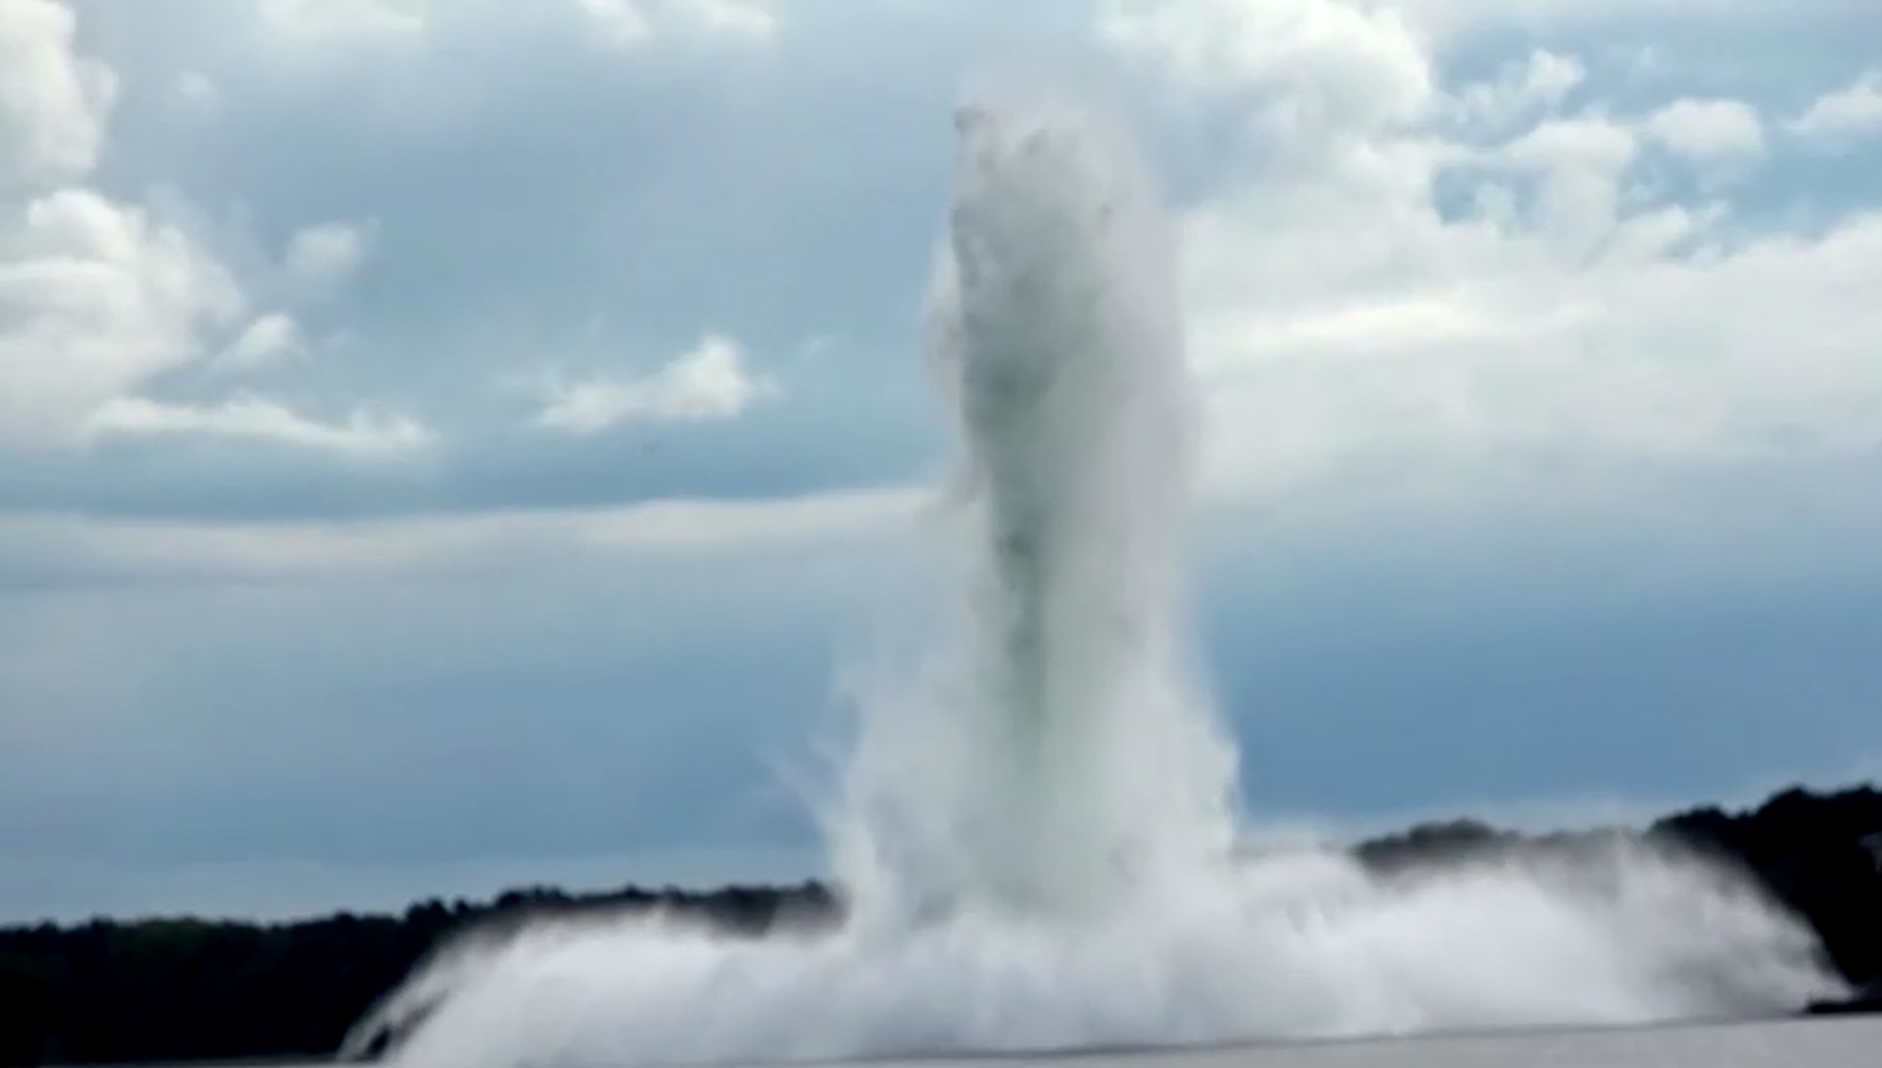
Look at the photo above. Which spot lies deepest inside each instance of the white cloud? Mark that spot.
(712, 382)
(95, 298)
(633, 23)
(1845, 115)
(235, 551)
(1342, 263)
(1708, 131)
(1520, 353)
(745, 18)
(1345, 320)
(327, 254)
(1332, 66)
(1446, 20)
(265, 341)
(99, 297)
(343, 21)
(1580, 164)
(1541, 82)
(361, 436)
(53, 103)
(1584, 143)
(621, 23)
(198, 89)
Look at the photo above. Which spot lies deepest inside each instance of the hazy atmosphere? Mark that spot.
(447, 446)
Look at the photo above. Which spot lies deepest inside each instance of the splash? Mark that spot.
(1037, 832)
(1056, 753)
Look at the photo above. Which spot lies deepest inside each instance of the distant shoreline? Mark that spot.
(182, 990)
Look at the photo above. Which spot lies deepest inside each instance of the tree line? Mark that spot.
(190, 990)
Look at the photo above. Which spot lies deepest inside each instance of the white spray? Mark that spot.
(1037, 834)
(1055, 754)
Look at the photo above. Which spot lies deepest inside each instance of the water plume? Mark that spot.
(1036, 831)
(1056, 750)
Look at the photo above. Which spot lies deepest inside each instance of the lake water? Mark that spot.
(1848, 1042)
(1834, 1042)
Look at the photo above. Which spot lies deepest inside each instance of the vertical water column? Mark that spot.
(1078, 754)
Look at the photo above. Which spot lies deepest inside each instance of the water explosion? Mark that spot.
(1038, 833)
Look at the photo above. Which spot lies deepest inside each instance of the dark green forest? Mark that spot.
(185, 989)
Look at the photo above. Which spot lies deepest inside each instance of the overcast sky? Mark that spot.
(451, 445)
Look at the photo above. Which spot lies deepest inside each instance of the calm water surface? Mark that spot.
(1847, 1042)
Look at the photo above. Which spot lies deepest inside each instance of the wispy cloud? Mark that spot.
(710, 383)
(343, 21)
(747, 18)
(217, 552)
(327, 254)
(258, 419)
(1845, 115)
(1708, 130)
(619, 23)
(630, 24)
(267, 340)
